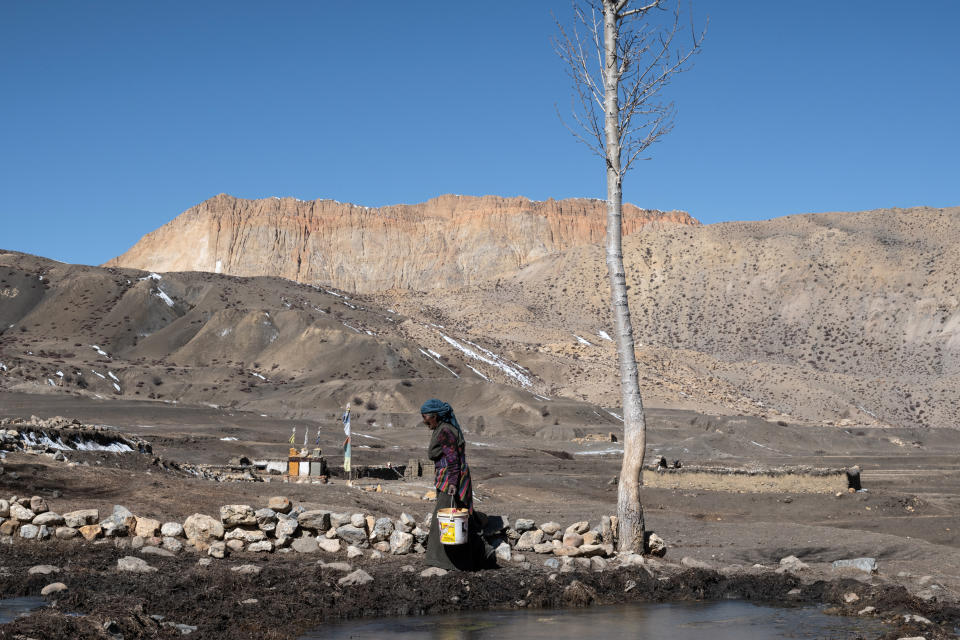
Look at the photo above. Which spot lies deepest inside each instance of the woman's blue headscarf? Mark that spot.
(443, 410)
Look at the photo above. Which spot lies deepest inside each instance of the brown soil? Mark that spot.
(907, 519)
(293, 594)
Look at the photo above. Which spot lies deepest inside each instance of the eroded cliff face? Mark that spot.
(445, 242)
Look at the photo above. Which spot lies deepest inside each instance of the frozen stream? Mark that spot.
(728, 620)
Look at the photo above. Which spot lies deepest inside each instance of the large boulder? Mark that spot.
(528, 539)
(351, 534)
(121, 521)
(286, 527)
(305, 545)
(29, 531)
(279, 504)
(339, 519)
(201, 530)
(407, 523)
(38, 505)
(91, 532)
(146, 527)
(329, 545)
(400, 543)
(868, 565)
(233, 515)
(358, 520)
(358, 577)
(579, 527)
(265, 516)
(134, 565)
(171, 530)
(21, 513)
(524, 524)
(49, 519)
(656, 546)
(792, 563)
(81, 518)
(247, 535)
(315, 520)
(571, 539)
(66, 533)
(382, 530)
(550, 528)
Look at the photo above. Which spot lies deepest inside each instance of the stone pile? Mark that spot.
(282, 527)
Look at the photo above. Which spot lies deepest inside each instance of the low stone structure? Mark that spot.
(757, 480)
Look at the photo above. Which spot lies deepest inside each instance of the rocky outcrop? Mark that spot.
(445, 242)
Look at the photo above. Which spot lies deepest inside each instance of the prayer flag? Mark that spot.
(346, 443)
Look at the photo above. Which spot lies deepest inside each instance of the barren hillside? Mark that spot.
(820, 317)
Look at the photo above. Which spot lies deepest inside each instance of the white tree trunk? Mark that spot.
(630, 524)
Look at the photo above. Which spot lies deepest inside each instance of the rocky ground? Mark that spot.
(776, 547)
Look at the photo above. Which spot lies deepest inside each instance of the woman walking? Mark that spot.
(454, 490)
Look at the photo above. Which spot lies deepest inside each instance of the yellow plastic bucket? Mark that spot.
(453, 525)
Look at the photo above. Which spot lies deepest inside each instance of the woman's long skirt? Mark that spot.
(469, 556)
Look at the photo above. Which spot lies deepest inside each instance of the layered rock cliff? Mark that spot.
(445, 242)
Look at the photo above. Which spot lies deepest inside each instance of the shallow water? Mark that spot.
(13, 607)
(729, 620)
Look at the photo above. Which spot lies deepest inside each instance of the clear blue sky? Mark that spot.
(117, 116)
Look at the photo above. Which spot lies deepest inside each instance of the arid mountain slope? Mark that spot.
(446, 242)
(260, 344)
(819, 317)
(840, 319)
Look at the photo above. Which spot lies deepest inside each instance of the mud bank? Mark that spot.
(290, 595)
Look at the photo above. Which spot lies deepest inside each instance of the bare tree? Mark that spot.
(619, 59)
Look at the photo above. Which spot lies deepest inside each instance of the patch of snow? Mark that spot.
(601, 452)
(254, 373)
(484, 355)
(437, 360)
(115, 378)
(869, 413)
(99, 374)
(228, 439)
(546, 399)
(618, 417)
(480, 444)
(116, 447)
(582, 340)
(334, 293)
(99, 350)
(347, 304)
(117, 387)
(433, 353)
(152, 276)
(3, 367)
(763, 446)
(60, 373)
(350, 327)
(225, 332)
(604, 335)
(52, 383)
(163, 296)
(219, 267)
(478, 373)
